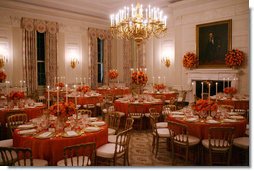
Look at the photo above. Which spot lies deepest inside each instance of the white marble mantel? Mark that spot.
(231, 75)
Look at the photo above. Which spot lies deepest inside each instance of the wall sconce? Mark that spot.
(166, 61)
(3, 60)
(74, 62)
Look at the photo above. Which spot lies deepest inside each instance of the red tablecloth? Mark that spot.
(123, 106)
(167, 95)
(114, 91)
(87, 100)
(51, 149)
(238, 104)
(200, 129)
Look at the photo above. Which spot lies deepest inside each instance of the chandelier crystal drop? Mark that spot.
(138, 23)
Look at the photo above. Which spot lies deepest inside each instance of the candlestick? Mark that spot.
(24, 85)
(57, 91)
(54, 81)
(164, 80)
(228, 82)
(159, 80)
(66, 93)
(21, 82)
(202, 92)
(216, 88)
(209, 91)
(76, 80)
(48, 98)
(75, 96)
(84, 80)
(153, 81)
(223, 84)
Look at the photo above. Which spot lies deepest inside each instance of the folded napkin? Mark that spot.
(45, 134)
(28, 131)
(212, 121)
(25, 126)
(71, 133)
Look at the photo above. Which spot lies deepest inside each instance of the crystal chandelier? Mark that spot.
(138, 23)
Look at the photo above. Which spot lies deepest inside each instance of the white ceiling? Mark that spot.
(93, 8)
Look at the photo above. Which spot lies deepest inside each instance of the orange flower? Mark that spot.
(2, 76)
(113, 74)
(159, 87)
(190, 60)
(234, 57)
(65, 109)
(230, 90)
(139, 78)
(16, 95)
(205, 105)
(60, 85)
(83, 89)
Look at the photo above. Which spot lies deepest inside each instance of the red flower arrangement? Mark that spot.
(190, 60)
(3, 76)
(113, 74)
(234, 57)
(139, 78)
(230, 90)
(159, 87)
(16, 95)
(83, 89)
(205, 105)
(60, 85)
(65, 109)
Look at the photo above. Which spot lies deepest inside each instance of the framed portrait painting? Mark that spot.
(213, 40)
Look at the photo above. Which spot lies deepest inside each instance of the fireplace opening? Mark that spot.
(221, 85)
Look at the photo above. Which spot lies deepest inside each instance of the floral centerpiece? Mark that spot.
(113, 74)
(16, 95)
(83, 89)
(204, 107)
(66, 109)
(139, 78)
(234, 58)
(60, 85)
(190, 60)
(230, 91)
(3, 76)
(159, 87)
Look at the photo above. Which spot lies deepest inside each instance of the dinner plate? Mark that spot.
(233, 113)
(211, 121)
(71, 134)
(177, 113)
(26, 126)
(229, 120)
(98, 123)
(44, 135)
(27, 132)
(192, 119)
(91, 129)
(236, 117)
(93, 119)
(178, 116)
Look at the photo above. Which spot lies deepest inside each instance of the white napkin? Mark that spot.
(25, 126)
(71, 133)
(28, 131)
(45, 134)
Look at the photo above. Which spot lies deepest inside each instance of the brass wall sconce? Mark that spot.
(74, 62)
(166, 61)
(3, 60)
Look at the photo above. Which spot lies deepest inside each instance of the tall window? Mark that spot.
(100, 60)
(41, 59)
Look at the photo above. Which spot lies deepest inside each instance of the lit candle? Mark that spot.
(202, 89)
(164, 80)
(192, 86)
(153, 81)
(57, 93)
(81, 81)
(228, 82)
(159, 80)
(48, 98)
(76, 80)
(24, 85)
(209, 91)
(85, 80)
(216, 88)
(66, 88)
(223, 84)
(21, 82)
(75, 96)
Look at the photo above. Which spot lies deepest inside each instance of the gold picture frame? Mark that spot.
(213, 40)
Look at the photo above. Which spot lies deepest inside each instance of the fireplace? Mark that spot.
(224, 78)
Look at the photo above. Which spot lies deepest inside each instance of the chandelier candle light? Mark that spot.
(138, 23)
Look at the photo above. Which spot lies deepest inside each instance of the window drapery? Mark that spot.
(29, 40)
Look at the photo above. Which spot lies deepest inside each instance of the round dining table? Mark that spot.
(200, 128)
(86, 99)
(114, 91)
(168, 94)
(52, 148)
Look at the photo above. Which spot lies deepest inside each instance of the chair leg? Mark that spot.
(173, 153)
(186, 155)
(157, 146)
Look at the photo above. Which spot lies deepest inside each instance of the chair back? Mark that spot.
(179, 133)
(153, 112)
(135, 110)
(15, 120)
(85, 112)
(114, 120)
(171, 107)
(227, 108)
(153, 123)
(220, 138)
(122, 142)
(80, 154)
(161, 97)
(129, 123)
(17, 156)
